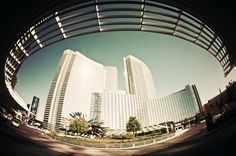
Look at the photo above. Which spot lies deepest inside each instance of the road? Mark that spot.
(196, 141)
(219, 142)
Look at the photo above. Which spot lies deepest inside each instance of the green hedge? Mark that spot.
(111, 139)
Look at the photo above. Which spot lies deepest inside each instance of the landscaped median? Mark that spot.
(115, 143)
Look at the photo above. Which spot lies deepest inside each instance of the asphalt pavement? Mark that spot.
(196, 141)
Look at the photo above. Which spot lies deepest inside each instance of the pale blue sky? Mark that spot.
(174, 63)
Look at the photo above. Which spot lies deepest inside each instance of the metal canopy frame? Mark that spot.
(109, 15)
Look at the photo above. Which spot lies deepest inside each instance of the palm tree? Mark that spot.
(97, 128)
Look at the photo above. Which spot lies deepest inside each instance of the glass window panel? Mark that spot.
(119, 27)
(81, 25)
(212, 52)
(206, 36)
(124, 5)
(184, 36)
(156, 29)
(211, 33)
(216, 46)
(149, 19)
(79, 19)
(50, 35)
(120, 13)
(83, 31)
(194, 29)
(187, 31)
(203, 42)
(159, 17)
(123, 20)
(219, 42)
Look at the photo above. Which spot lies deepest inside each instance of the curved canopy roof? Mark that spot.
(28, 26)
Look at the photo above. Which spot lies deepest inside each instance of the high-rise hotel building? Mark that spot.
(175, 107)
(138, 78)
(115, 108)
(83, 85)
(76, 78)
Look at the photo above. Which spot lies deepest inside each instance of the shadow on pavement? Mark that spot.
(14, 141)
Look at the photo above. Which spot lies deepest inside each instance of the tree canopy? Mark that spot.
(133, 125)
(231, 91)
(79, 125)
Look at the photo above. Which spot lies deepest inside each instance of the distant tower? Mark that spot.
(198, 98)
(34, 105)
(139, 80)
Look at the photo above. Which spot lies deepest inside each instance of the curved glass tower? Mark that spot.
(139, 80)
(76, 78)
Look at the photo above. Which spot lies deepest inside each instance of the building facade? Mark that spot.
(174, 107)
(76, 78)
(138, 78)
(83, 85)
(111, 79)
(114, 109)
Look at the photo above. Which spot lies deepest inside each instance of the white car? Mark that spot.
(15, 122)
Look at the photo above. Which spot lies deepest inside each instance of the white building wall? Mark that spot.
(174, 107)
(149, 82)
(118, 107)
(86, 76)
(139, 80)
(111, 79)
(74, 83)
(53, 113)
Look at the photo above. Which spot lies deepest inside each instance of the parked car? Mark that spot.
(15, 122)
(179, 127)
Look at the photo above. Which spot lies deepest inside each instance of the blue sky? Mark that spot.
(174, 63)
